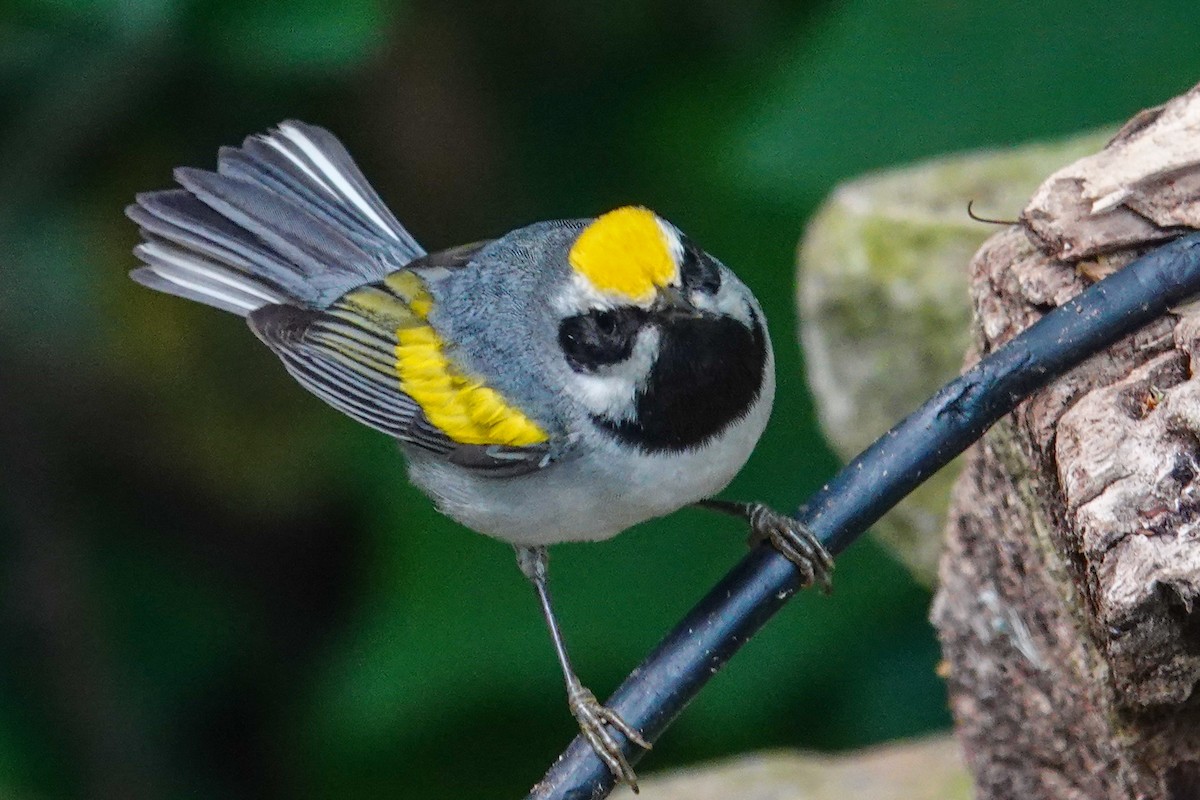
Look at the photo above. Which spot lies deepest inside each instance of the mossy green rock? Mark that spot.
(884, 314)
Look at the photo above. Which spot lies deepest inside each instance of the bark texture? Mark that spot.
(1067, 607)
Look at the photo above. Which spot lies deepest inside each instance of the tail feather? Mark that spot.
(175, 217)
(256, 162)
(287, 218)
(315, 247)
(316, 160)
(176, 272)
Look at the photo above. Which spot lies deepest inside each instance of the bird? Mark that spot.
(562, 382)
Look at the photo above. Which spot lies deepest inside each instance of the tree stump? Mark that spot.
(1067, 599)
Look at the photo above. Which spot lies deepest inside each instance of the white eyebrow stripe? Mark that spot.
(674, 243)
(331, 172)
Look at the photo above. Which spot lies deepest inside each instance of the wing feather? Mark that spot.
(349, 356)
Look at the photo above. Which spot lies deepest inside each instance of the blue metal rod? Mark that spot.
(900, 460)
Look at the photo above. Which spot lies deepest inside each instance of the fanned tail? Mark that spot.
(287, 218)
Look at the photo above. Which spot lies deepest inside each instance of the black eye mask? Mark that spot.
(600, 338)
(707, 375)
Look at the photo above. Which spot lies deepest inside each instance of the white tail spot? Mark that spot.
(335, 175)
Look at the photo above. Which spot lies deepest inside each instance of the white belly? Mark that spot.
(596, 494)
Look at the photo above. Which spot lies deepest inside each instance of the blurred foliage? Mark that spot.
(213, 586)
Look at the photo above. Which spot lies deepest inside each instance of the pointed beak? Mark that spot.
(672, 302)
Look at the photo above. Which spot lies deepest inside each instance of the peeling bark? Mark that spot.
(1069, 589)
(1143, 187)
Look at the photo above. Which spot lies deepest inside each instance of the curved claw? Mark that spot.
(594, 720)
(795, 542)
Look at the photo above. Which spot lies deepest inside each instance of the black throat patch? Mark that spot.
(708, 374)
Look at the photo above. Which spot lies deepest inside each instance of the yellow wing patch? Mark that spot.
(460, 406)
(625, 253)
(463, 408)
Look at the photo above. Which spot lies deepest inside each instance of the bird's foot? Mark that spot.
(594, 721)
(794, 541)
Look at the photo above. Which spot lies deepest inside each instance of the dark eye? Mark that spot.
(698, 271)
(599, 338)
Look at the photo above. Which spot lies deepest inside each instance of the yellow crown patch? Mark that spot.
(625, 253)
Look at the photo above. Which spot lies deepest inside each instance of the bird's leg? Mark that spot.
(788, 535)
(594, 719)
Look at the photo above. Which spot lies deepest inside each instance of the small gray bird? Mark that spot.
(560, 383)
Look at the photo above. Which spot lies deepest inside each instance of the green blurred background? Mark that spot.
(211, 585)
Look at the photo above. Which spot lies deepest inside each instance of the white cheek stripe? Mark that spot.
(612, 393)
